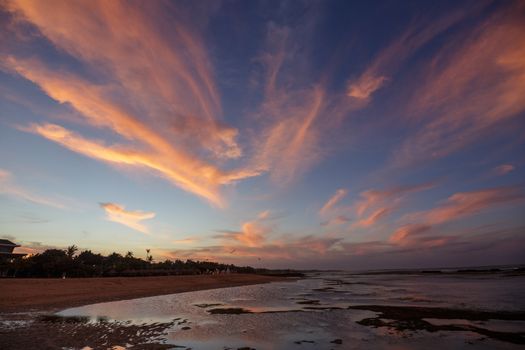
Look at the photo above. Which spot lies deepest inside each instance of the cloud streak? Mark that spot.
(468, 88)
(253, 233)
(503, 169)
(336, 198)
(375, 205)
(165, 106)
(132, 219)
(457, 206)
(10, 188)
(464, 204)
(389, 60)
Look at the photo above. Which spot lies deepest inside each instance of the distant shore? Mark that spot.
(41, 294)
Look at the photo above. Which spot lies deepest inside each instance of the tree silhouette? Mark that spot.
(57, 263)
(71, 250)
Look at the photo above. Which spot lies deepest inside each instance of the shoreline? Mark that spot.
(52, 294)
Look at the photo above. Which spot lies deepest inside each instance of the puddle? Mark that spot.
(325, 313)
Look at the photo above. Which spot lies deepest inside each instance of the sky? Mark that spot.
(284, 134)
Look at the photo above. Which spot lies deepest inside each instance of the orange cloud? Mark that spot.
(469, 203)
(8, 187)
(188, 240)
(339, 194)
(374, 217)
(459, 205)
(307, 247)
(405, 233)
(383, 202)
(179, 72)
(363, 88)
(390, 59)
(292, 133)
(252, 234)
(290, 143)
(166, 105)
(206, 188)
(471, 86)
(117, 213)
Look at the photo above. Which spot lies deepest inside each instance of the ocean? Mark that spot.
(453, 308)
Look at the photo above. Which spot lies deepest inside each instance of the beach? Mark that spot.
(480, 309)
(41, 294)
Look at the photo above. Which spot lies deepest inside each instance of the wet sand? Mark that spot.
(23, 295)
(289, 315)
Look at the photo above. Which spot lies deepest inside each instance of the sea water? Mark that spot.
(312, 313)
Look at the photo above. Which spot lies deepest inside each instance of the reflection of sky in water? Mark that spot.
(289, 312)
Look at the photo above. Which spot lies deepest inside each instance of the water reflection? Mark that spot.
(313, 313)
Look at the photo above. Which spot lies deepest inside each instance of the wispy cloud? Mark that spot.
(390, 59)
(469, 87)
(469, 203)
(150, 101)
(363, 88)
(118, 213)
(503, 169)
(203, 181)
(10, 188)
(338, 220)
(286, 250)
(330, 203)
(253, 233)
(374, 217)
(457, 206)
(374, 205)
(187, 240)
(289, 118)
(405, 233)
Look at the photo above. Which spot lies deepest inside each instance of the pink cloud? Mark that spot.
(464, 204)
(338, 220)
(406, 233)
(503, 169)
(390, 59)
(457, 206)
(374, 217)
(380, 203)
(363, 88)
(336, 198)
(173, 119)
(253, 233)
(472, 86)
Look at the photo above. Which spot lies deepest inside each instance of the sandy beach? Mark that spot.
(39, 294)
(322, 310)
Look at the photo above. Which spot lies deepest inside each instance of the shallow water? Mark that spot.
(312, 313)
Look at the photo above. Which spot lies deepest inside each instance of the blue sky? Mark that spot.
(328, 134)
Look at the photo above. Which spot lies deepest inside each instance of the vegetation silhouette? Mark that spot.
(67, 263)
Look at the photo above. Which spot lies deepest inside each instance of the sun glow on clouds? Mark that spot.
(365, 87)
(457, 206)
(176, 91)
(338, 196)
(153, 87)
(117, 213)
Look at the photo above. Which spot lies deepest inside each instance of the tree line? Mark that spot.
(71, 263)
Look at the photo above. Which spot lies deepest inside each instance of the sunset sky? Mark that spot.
(331, 134)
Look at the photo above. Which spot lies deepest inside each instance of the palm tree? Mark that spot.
(71, 250)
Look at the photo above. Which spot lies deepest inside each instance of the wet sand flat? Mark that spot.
(20, 295)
